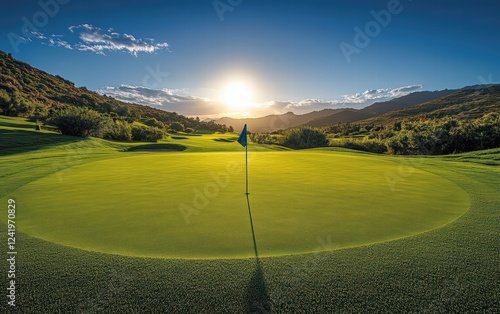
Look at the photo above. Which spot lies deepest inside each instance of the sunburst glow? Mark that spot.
(237, 96)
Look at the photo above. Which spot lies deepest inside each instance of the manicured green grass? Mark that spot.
(486, 157)
(453, 268)
(193, 206)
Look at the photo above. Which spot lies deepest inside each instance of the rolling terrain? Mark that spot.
(468, 102)
(465, 104)
(275, 122)
(447, 266)
(123, 226)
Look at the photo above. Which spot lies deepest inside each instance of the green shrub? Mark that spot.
(5, 101)
(15, 105)
(78, 121)
(153, 122)
(367, 145)
(120, 131)
(304, 137)
(40, 113)
(176, 126)
(145, 133)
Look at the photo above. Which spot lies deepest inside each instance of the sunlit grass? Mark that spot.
(192, 204)
(449, 269)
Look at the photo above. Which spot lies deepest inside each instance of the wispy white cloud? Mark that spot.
(86, 37)
(55, 40)
(64, 44)
(38, 35)
(381, 94)
(99, 41)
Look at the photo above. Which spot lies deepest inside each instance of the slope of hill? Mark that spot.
(378, 108)
(24, 89)
(346, 115)
(412, 99)
(464, 104)
(274, 122)
(327, 117)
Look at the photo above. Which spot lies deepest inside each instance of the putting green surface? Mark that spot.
(192, 205)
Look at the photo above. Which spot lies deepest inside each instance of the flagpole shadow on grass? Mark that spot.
(253, 231)
(258, 300)
(257, 296)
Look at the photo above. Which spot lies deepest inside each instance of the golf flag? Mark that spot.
(243, 137)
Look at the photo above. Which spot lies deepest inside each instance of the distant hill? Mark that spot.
(328, 117)
(274, 122)
(412, 99)
(378, 108)
(343, 116)
(23, 88)
(468, 103)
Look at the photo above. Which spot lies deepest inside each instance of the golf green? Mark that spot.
(192, 205)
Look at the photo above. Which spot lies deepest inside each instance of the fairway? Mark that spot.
(192, 205)
(336, 229)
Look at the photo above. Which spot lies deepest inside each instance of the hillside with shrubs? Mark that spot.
(35, 94)
(467, 120)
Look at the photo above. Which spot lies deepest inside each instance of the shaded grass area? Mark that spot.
(158, 147)
(226, 140)
(258, 299)
(24, 141)
(486, 157)
(19, 135)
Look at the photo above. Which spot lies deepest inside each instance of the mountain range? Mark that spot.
(467, 102)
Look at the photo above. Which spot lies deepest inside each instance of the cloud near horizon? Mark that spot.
(165, 99)
(357, 100)
(177, 101)
(381, 94)
(99, 41)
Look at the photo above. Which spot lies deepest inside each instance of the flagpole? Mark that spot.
(243, 140)
(248, 199)
(246, 163)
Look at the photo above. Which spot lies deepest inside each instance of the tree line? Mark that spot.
(422, 137)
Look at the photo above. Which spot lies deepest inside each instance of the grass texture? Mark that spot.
(342, 231)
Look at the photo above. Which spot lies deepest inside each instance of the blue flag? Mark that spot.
(243, 137)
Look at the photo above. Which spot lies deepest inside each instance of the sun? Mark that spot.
(236, 96)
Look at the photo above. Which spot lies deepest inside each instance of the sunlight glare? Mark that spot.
(236, 96)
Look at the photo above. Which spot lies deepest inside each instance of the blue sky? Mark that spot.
(201, 57)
